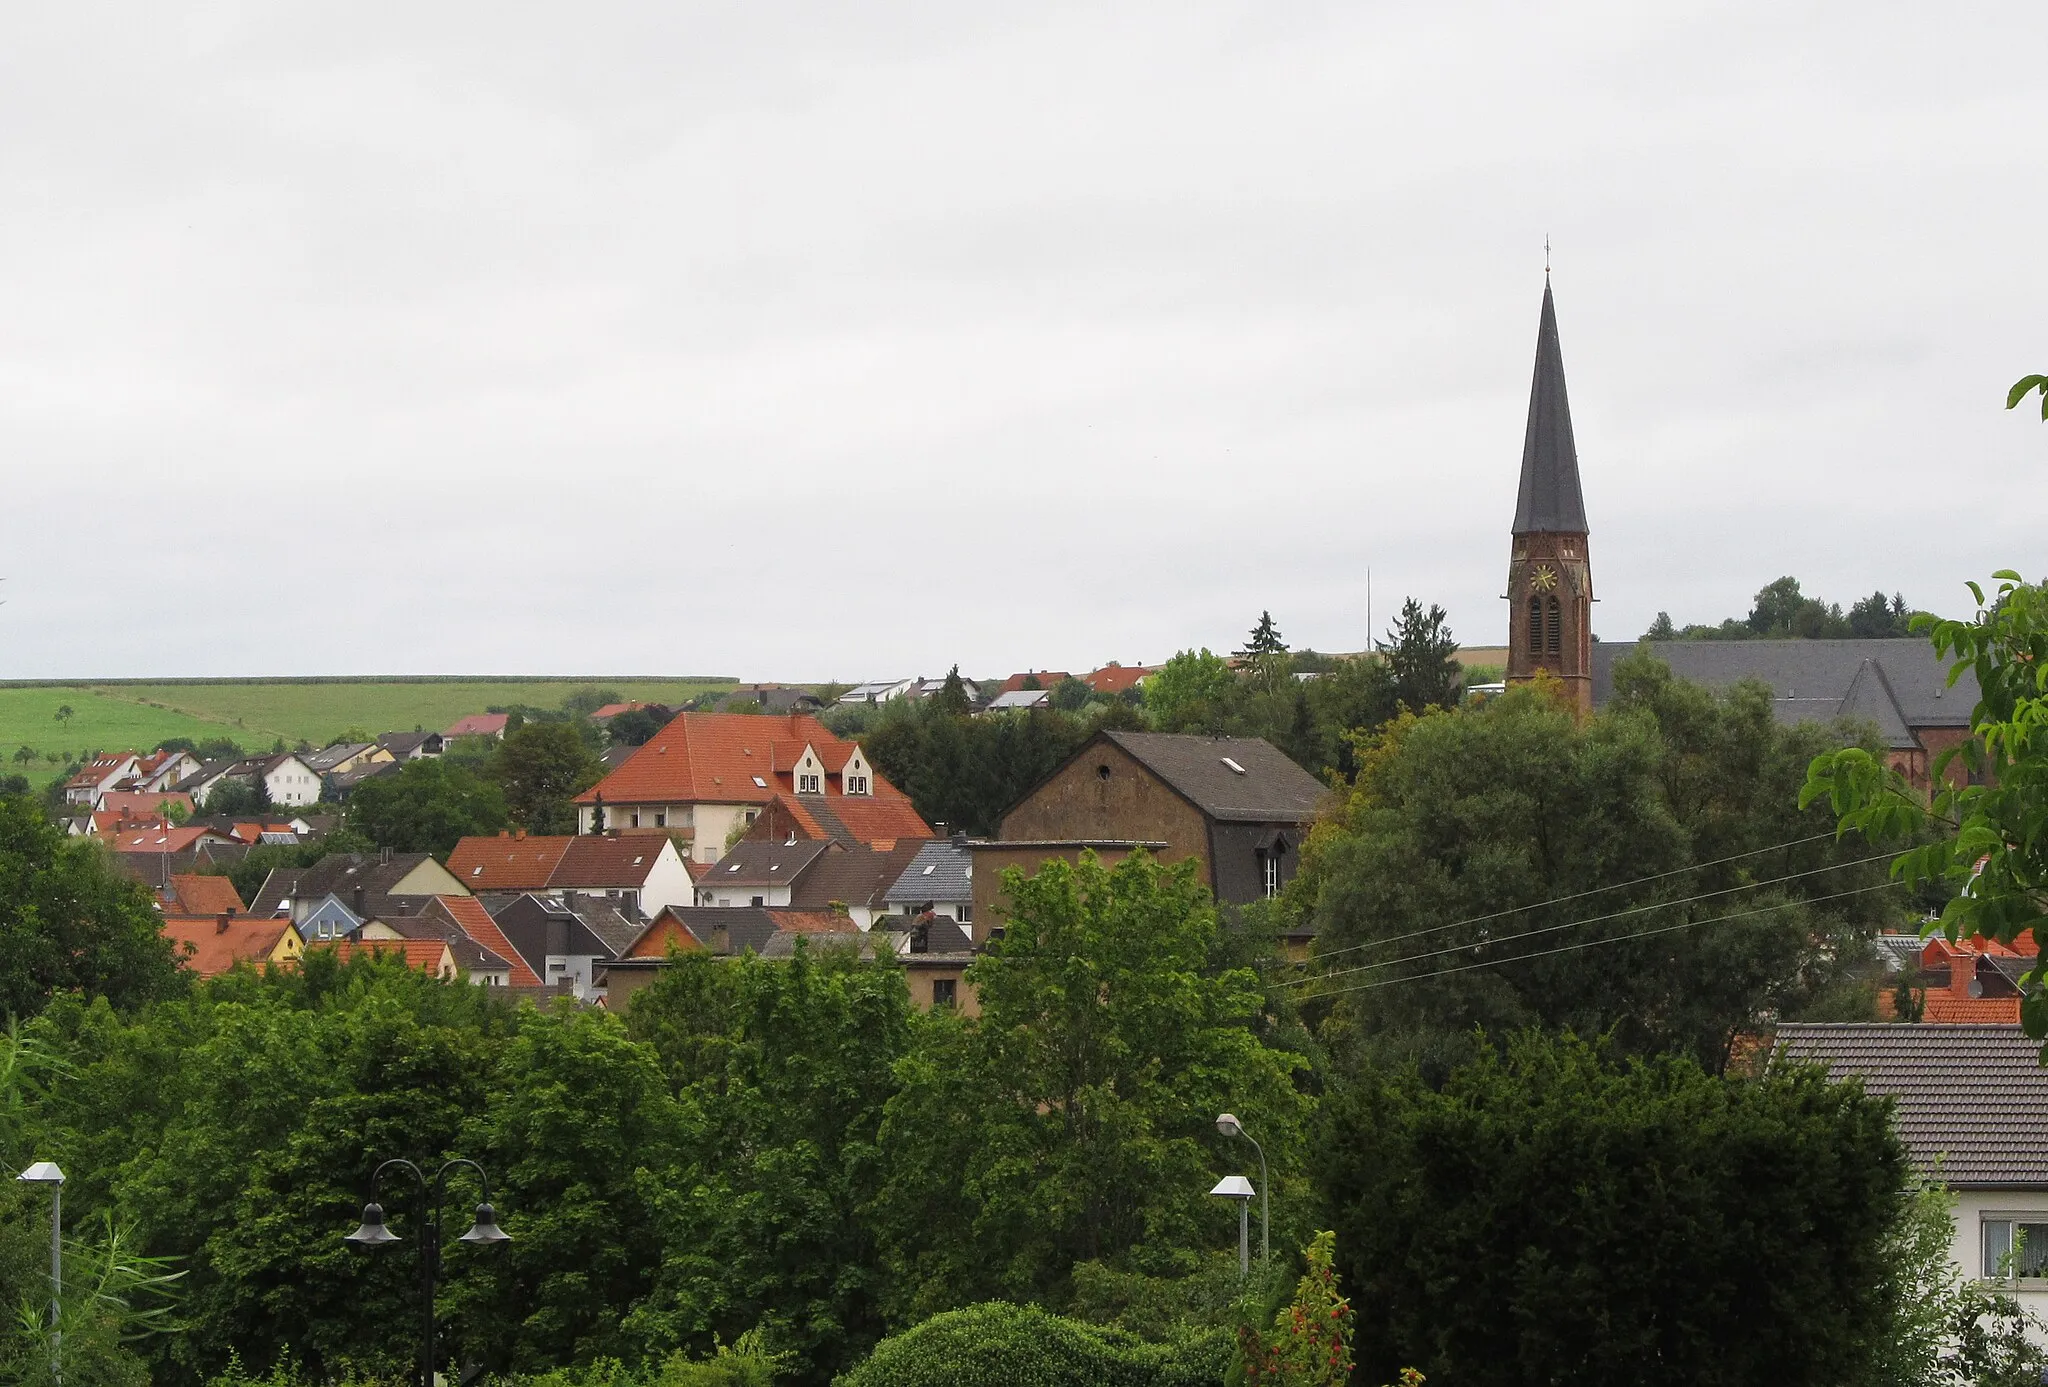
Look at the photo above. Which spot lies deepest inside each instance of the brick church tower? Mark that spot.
(1550, 578)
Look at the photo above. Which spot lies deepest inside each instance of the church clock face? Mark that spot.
(1544, 579)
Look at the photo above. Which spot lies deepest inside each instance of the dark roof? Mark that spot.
(404, 744)
(338, 874)
(1898, 683)
(1268, 789)
(1549, 500)
(765, 864)
(941, 872)
(603, 919)
(348, 780)
(858, 876)
(328, 757)
(1974, 1096)
(470, 956)
(611, 862)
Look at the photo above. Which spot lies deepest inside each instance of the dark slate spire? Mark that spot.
(1549, 499)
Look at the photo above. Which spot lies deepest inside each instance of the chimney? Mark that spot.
(959, 840)
(384, 856)
(361, 911)
(519, 834)
(220, 926)
(938, 828)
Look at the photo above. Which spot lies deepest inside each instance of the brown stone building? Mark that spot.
(1236, 804)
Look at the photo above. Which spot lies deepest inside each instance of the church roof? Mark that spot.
(1549, 500)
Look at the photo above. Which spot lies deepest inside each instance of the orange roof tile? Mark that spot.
(429, 955)
(476, 922)
(594, 861)
(1047, 679)
(715, 758)
(1115, 679)
(162, 839)
(208, 947)
(1946, 1009)
(879, 821)
(506, 863)
(138, 804)
(662, 932)
(813, 922)
(205, 895)
(479, 725)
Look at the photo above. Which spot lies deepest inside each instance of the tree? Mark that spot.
(24, 754)
(1984, 847)
(1071, 695)
(1025, 1346)
(541, 768)
(1661, 629)
(951, 700)
(238, 796)
(584, 702)
(426, 806)
(1073, 1117)
(636, 726)
(783, 1067)
(1522, 1183)
(1422, 653)
(1265, 654)
(64, 713)
(72, 921)
(1644, 872)
(965, 771)
(1875, 617)
(1192, 692)
(1311, 1339)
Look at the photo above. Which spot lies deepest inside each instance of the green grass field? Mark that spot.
(116, 717)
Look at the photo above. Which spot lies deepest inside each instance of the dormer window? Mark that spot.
(856, 785)
(807, 784)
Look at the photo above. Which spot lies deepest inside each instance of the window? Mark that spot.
(964, 913)
(1269, 872)
(856, 785)
(807, 784)
(1553, 641)
(2014, 1248)
(661, 818)
(759, 783)
(1102, 772)
(1535, 626)
(945, 992)
(1235, 769)
(760, 900)
(636, 818)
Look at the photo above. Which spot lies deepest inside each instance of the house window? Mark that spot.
(807, 784)
(760, 900)
(2014, 1248)
(636, 818)
(964, 913)
(661, 818)
(1269, 872)
(945, 992)
(856, 785)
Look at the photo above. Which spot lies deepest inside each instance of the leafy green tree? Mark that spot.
(24, 754)
(1073, 1118)
(2025, 386)
(951, 700)
(1877, 617)
(1025, 1346)
(1509, 866)
(1421, 654)
(783, 1068)
(541, 769)
(238, 797)
(426, 806)
(584, 702)
(1192, 692)
(1661, 629)
(15, 785)
(1505, 1229)
(965, 771)
(1982, 827)
(1071, 695)
(64, 713)
(637, 726)
(1310, 1342)
(71, 921)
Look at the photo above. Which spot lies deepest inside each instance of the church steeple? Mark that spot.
(1550, 499)
(1550, 575)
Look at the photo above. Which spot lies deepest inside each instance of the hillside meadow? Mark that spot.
(256, 713)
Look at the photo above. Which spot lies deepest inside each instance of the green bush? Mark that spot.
(1024, 1346)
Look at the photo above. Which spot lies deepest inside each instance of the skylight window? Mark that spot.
(774, 866)
(930, 867)
(476, 871)
(734, 867)
(1234, 767)
(759, 783)
(638, 860)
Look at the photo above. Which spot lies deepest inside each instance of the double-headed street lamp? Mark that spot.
(46, 1173)
(1228, 1124)
(483, 1228)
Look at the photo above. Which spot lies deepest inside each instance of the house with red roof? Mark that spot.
(1973, 981)
(479, 725)
(211, 944)
(97, 776)
(642, 872)
(705, 779)
(1114, 678)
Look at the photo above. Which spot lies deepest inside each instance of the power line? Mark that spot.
(1577, 895)
(1595, 943)
(1589, 920)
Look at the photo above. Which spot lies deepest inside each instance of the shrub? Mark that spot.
(1025, 1346)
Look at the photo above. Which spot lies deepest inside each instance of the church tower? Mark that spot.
(1550, 579)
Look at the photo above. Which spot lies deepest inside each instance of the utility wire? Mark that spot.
(1589, 920)
(1595, 943)
(1577, 895)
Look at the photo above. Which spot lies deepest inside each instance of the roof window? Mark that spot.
(930, 867)
(638, 860)
(476, 871)
(759, 783)
(734, 867)
(1234, 767)
(774, 866)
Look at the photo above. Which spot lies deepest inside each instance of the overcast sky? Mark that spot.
(852, 341)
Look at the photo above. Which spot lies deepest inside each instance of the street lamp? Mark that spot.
(46, 1173)
(1228, 1124)
(1238, 1188)
(483, 1228)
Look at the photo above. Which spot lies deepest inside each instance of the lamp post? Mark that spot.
(483, 1228)
(1238, 1188)
(46, 1173)
(1228, 1124)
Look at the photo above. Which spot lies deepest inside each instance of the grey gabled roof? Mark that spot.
(1818, 680)
(1975, 1098)
(752, 863)
(942, 873)
(1268, 788)
(1549, 500)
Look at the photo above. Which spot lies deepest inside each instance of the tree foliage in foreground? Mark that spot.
(427, 805)
(1551, 1216)
(1027, 1346)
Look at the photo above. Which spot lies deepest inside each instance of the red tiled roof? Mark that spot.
(612, 710)
(479, 725)
(717, 758)
(476, 922)
(879, 821)
(593, 861)
(506, 863)
(140, 804)
(654, 941)
(163, 839)
(214, 948)
(1114, 679)
(1047, 679)
(97, 769)
(205, 895)
(429, 955)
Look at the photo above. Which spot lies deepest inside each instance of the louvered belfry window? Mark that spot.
(1553, 634)
(1535, 626)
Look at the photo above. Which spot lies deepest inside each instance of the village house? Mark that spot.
(1970, 1103)
(1235, 804)
(939, 880)
(807, 874)
(210, 945)
(641, 872)
(478, 725)
(413, 746)
(706, 777)
(565, 939)
(758, 930)
(286, 778)
(334, 896)
(479, 949)
(98, 776)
